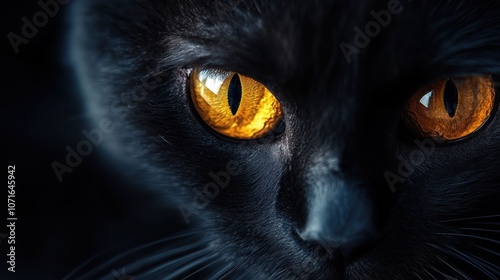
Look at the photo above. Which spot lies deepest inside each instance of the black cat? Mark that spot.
(303, 140)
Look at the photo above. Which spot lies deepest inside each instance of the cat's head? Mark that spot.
(353, 178)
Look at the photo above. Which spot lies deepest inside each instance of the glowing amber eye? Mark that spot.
(234, 105)
(451, 109)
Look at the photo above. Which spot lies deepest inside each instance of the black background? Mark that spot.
(60, 225)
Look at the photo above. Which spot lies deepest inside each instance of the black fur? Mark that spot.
(343, 129)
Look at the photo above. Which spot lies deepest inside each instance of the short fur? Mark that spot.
(343, 131)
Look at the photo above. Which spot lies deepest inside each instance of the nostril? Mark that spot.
(317, 239)
(323, 247)
(342, 250)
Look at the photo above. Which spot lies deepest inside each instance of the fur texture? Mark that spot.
(343, 132)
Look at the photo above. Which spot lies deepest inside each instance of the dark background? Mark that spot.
(60, 225)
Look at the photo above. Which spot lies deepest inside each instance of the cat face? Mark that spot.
(343, 186)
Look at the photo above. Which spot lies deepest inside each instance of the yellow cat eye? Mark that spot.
(451, 109)
(234, 105)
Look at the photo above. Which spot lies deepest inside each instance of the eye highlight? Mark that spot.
(451, 109)
(234, 105)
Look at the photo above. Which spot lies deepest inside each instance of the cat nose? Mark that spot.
(341, 249)
(341, 219)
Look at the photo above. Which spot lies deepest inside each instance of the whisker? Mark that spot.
(449, 253)
(218, 274)
(487, 250)
(168, 254)
(231, 271)
(417, 275)
(176, 274)
(481, 264)
(244, 276)
(470, 236)
(176, 264)
(440, 272)
(455, 269)
(430, 274)
(480, 229)
(105, 266)
(471, 218)
(80, 267)
(468, 259)
(274, 275)
(164, 140)
(486, 223)
(200, 269)
(162, 270)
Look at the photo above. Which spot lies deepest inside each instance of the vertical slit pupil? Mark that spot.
(450, 98)
(234, 94)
